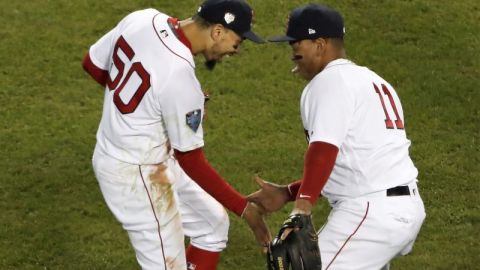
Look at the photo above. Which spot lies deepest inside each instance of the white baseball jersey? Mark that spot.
(152, 96)
(356, 110)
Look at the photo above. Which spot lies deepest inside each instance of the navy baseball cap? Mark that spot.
(233, 14)
(312, 21)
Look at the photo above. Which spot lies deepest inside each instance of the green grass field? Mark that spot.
(52, 214)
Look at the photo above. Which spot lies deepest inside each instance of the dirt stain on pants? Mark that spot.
(161, 186)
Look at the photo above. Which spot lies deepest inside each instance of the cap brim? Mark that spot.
(253, 37)
(281, 39)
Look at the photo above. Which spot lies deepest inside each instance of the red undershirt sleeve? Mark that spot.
(319, 162)
(197, 167)
(95, 72)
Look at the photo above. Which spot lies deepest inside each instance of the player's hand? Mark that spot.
(253, 215)
(296, 245)
(302, 207)
(270, 196)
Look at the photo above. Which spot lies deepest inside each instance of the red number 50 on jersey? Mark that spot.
(136, 67)
(388, 121)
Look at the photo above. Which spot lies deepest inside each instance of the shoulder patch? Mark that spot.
(193, 119)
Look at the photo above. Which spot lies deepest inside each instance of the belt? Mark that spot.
(398, 191)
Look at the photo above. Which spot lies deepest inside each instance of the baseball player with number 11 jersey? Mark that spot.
(357, 156)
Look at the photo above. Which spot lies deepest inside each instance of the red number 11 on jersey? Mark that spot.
(388, 121)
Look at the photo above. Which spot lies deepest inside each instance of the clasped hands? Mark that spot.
(269, 198)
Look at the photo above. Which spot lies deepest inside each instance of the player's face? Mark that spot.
(305, 56)
(225, 44)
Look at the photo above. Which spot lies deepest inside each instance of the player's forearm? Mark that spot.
(319, 161)
(197, 167)
(95, 72)
(293, 189)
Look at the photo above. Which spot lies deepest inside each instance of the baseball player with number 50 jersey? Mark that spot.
(153, 107)
(357, 156)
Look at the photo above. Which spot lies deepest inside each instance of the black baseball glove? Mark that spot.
(299, 250)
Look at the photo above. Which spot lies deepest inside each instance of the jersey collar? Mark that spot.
(336, 62)
(175, 26)
(169, 37)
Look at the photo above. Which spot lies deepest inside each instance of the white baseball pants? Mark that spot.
(365, 233)
(204, 220)
(143, 201)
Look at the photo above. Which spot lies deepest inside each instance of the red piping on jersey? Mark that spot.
(95, 72)
(319, 161)
(180, 34)
(156, 32)
(197, 167)
(154, 214)
(351, 235)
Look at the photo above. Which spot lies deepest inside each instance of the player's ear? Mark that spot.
(321, 45)
(217, 32)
